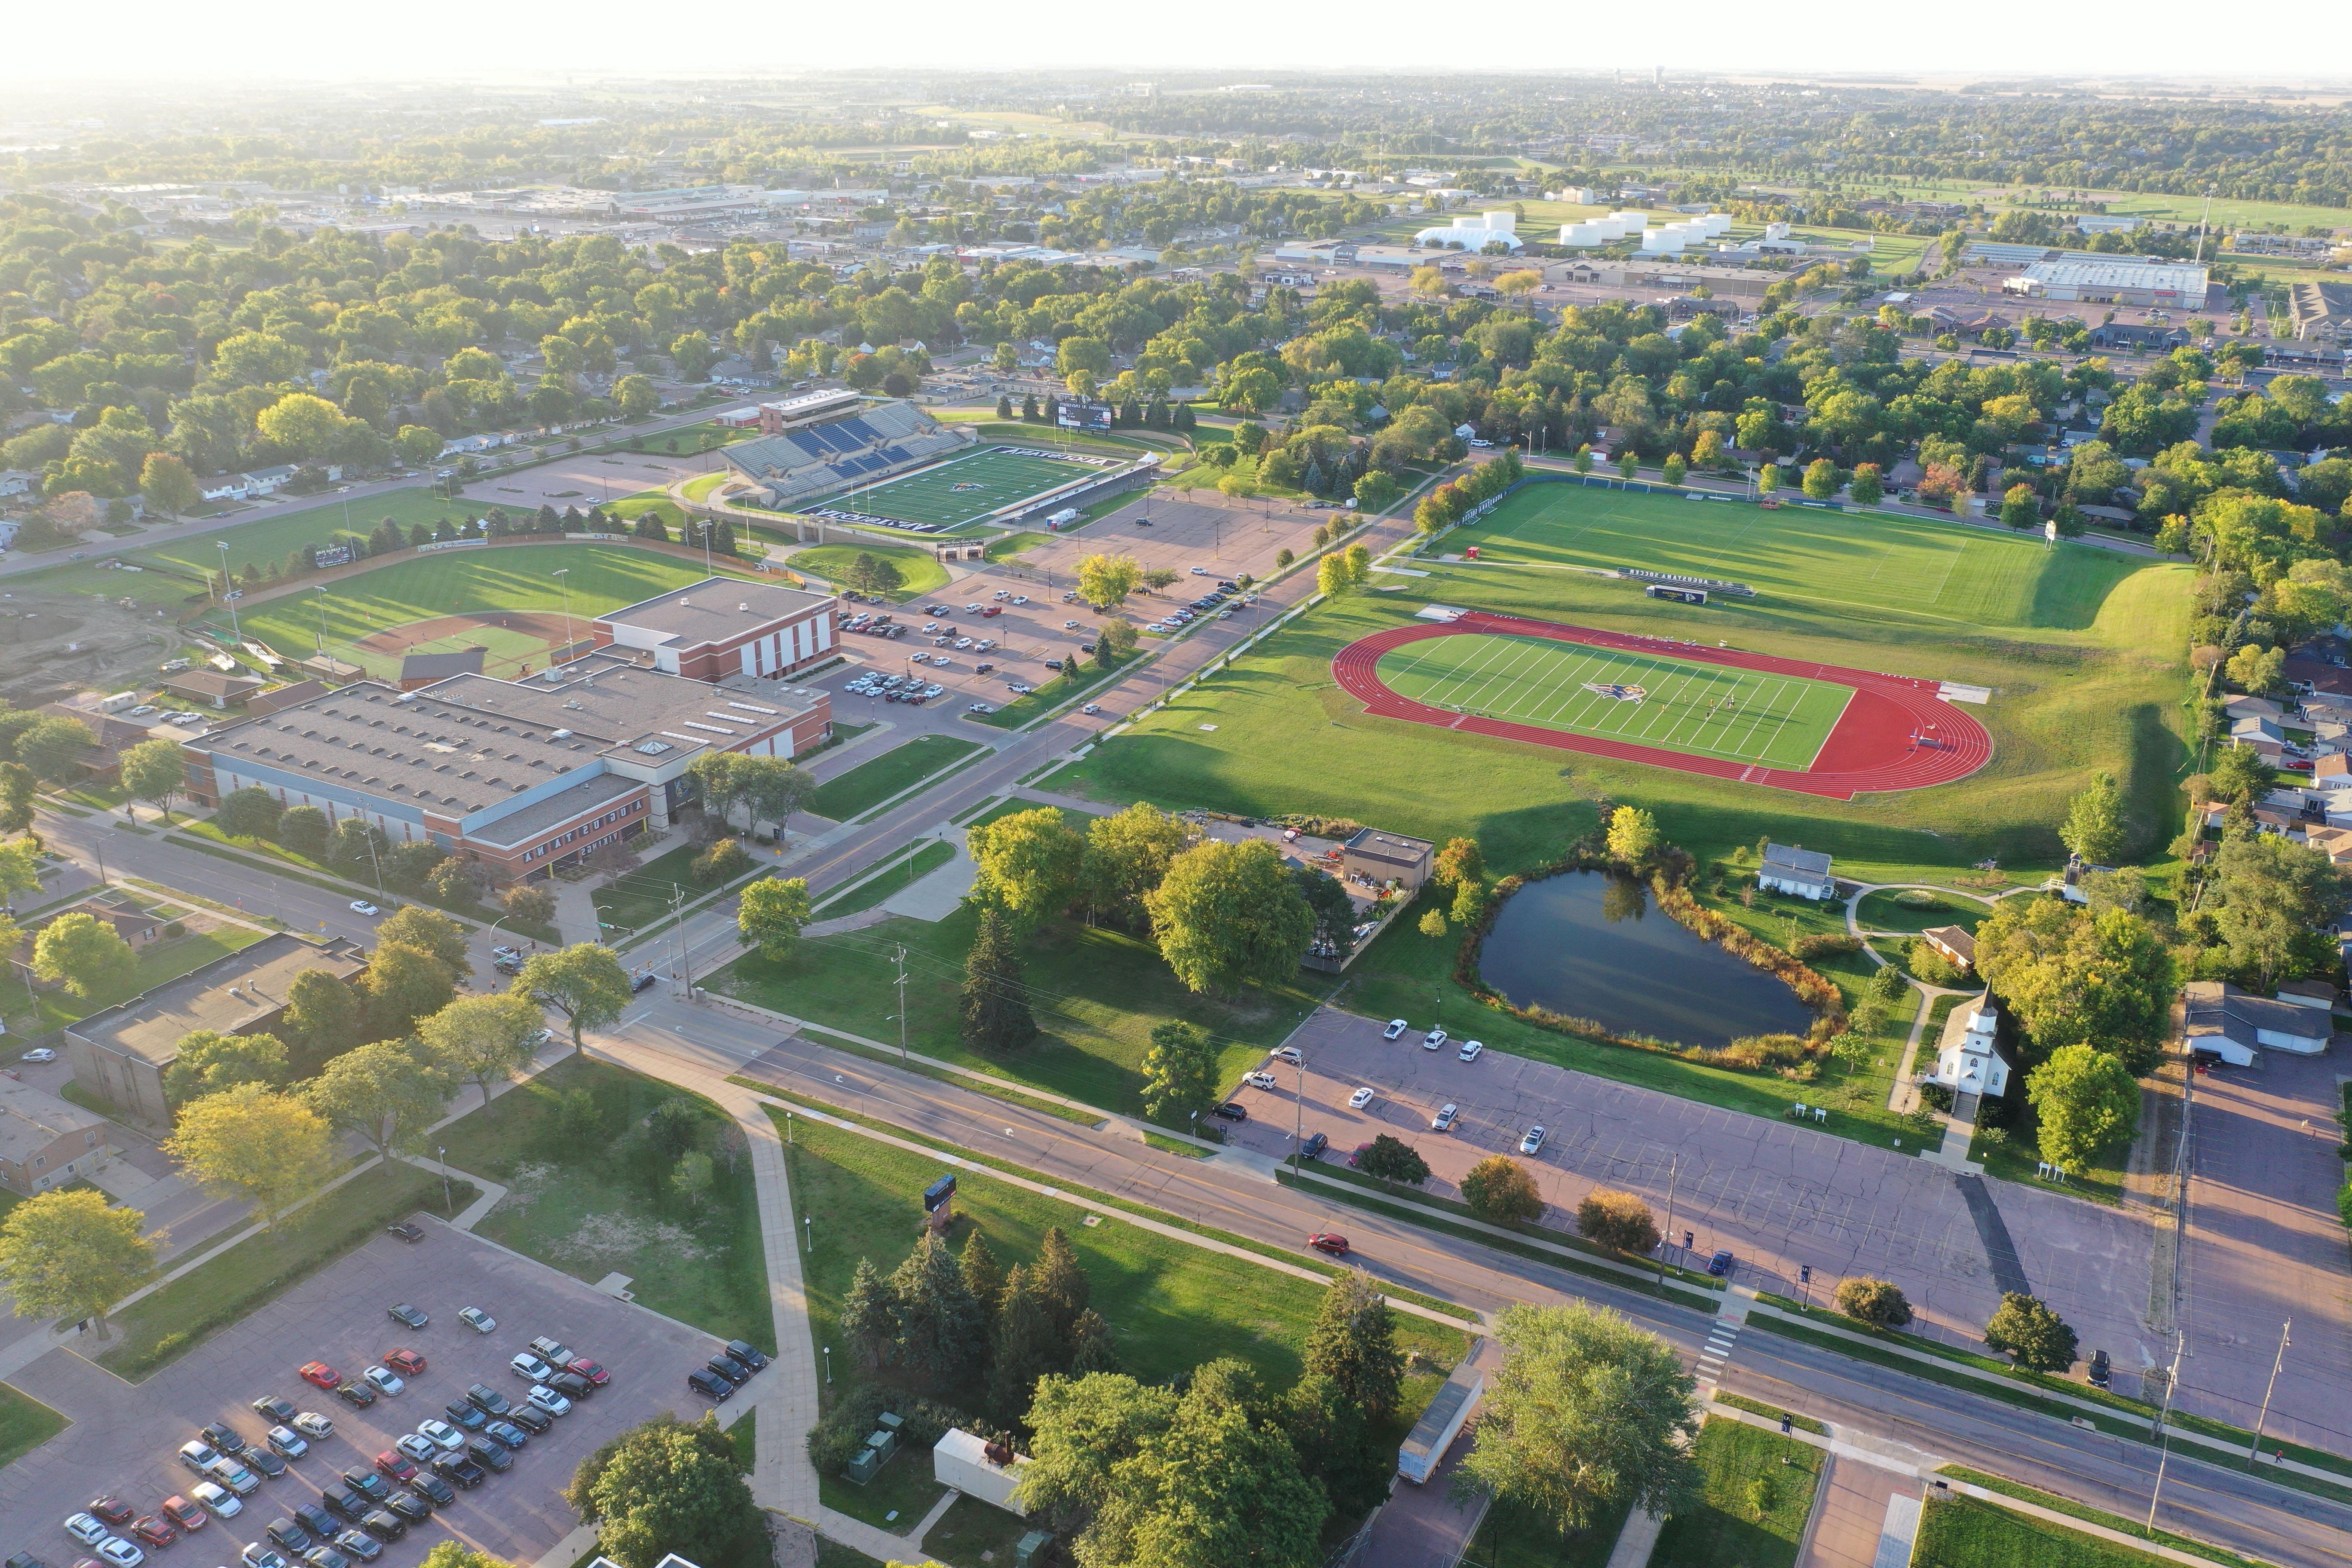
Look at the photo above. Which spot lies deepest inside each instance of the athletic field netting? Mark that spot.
(961, 491)
(1749, 716)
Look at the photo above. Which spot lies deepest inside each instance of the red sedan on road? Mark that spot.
(1324, 1241)
(319, 1374)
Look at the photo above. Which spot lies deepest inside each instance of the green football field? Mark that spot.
(961, 491)
(1878, 561)
(1745, 715)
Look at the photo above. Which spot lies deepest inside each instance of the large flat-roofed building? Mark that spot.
(2121, 280)
(119, 1054)
(724, 626)
(46, 1142)
(2322, 313)
(1380, 857)
(523, 776)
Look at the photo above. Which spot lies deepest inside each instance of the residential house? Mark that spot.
(2319, 994)
(2331, 771)
(2242, 707)
(2138, 338)
(2265, 738)
(211, 686)
(2226, 1023)
(46, 1142)
(18, 482)
(1957, 946)
(1802, 872)
(1969, 1059)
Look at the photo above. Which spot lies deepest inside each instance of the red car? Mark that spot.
(319, 1374)
(183, 1514)
(153, 1531)
(406, 1363)
(1324, 1241)
(112, 1509)
(589, 1370)
(396, 1467)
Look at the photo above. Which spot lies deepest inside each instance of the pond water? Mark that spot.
(1591, 945)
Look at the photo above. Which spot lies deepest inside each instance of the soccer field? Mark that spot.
(1777, 721)
(1949, 572)
(961, 491)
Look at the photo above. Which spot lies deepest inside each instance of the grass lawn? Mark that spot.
(1888, 910)
(969, 1528)
(592, 1195)
(1170, 1305)
(2073, 1509)
(929, 855)
(25, 1424)
(1052, 692)
(687, 439)
(2012, 1154)
(920, 571)
(158, 1329)
(876, 780)
(639, 898)
(833, 1554)
(1961, 1532)
(1097, 995)
(601, 577)
(699, 487)
(1013, 545)
(1729, 1526)
(165, 961)
(673, 516)
(261, 540)
(1512, 1537)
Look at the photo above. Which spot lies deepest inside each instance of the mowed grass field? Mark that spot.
(995, 477)
(1915, 568)
(601, 577)
(256, 540)
(2082, 647)
(1671, 703)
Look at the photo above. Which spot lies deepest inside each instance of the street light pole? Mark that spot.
(228, 585)
(1673, 1181)
(2255, 1451)
(448, 1204)
(322, 620)
(559, 576)
(2163, 1430)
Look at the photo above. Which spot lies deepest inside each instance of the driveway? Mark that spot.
(1777, 1195)
(124, 1438)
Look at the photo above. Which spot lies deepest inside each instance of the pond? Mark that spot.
(1591, 945)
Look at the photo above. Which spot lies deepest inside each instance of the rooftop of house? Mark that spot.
(1810, 861)
(33, 1119)
(1954, 939)
(230, 995)
(2217, 1007)
(715, 610)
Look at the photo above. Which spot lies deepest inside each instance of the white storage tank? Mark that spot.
(1714, 226)
(1666, 241)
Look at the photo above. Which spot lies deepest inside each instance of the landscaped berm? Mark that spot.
(1670, 702)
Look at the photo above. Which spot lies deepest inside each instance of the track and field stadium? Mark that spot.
(961, 491)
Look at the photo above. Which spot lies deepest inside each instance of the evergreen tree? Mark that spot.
(996, 1016)
(1312, 481)
(548, 523)
(1062, 1284)
(1185, 420)
(1091, 1350)
(1026, 1349)
(722, 539)
(419, 534)
(1004, 405)
(1353, 1345)
(869, 1313)
(1155, 414)
(1336, 1444)
(1051, 413)
(983, 1276)
(938, 1319)
(1029, 408)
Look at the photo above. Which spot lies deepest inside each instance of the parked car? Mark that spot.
(1287, 1053)
(530, 1419)
(407, 1362)
(117, 1552)
(529, 1368)
(1259, 1079)
(1314, 1146)
(2102, 1369)
(270, 1407)
(153, 1530)
(357, 1543)
(400, 1461)
(546, 1399)
(288, 1534)
(464, 1414)
(411, 1506)
(433, 1488)
(1432, 1040)
(474, 1318)
(112, 1509)
(87, 1528)
(1231, 1110)
(1444, 1118)
(316, 1520)
(1396, 1027)
(224, 1437)
(551, 1350)
(383, 1524)
(1361, 1098)
(383, 1379)
(319, 1374)
(409, 1233)
(41, 1054)
(1470, 1049)
(571, 1385)
(746, 1352)
(368, 1484)
(359, 1396)
(361, 907)
(1324, 1241)
(1532, 1142)
(490, 1454)
(406, 1315)
(216, 1498)
(197, 1456)
(1720, 1264)
(265, 1462)
(710, 1386)
(313, 1426)
(288, 1443)
(581, 1366)
(323, 1556)
(260, 1556)
(508, 1433)
(458, 1470)
(441, 1435)
(487, 1400)
(726, 1367)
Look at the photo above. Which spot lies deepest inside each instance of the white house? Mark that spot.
(18, 481)
(978, 1469)
(1803, 872)
(1968, 1059)
(2225, 1022)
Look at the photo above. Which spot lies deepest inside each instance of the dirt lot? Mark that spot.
(53, 645)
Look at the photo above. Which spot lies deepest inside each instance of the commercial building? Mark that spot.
(1378, 858)
(422, 670)
(120, 1055)
(46, 1142)
(723, 626)
(2222, 1021)
(2081, 277)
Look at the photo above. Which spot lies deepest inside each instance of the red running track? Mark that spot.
(1897, 733)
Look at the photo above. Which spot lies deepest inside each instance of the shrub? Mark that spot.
(722, 862)
(1937, 1095)
(1392, 1160)
(1874, 1301)
(1618, 1220)
(177, 928)
(1930, 965)
(1498, 1188)
(2032, 1335)
(1916, 899)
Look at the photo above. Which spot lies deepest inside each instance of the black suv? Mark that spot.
(285, 1533)
(490, 1453)
(385, 1527)
(710, 1384)
(316, 1520)
(747, 1353)
(430, 1485)
(570, 1384)
(458, 1469)
(529, 1418)
(346, 1505)
(411, 1506)
(368, 1484)
(488, 1400)
(223, 1436)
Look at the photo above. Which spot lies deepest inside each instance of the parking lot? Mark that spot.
(124, 1439)
(584, 479)
(1778, 1196)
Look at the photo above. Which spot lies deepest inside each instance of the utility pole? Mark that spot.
(902, 1000)
(229, 584)
(2171, 1382)
(1673, 1180)
(677, 929)
(2254, 1452)
(559, 576)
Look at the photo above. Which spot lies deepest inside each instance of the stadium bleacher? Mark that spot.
(810, 459)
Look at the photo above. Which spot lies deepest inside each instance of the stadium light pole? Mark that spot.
(227, 596)
(560, 575)
(322, 620)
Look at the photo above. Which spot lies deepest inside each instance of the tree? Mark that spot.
(53, 748)
(1092, 1348)
(1027, 864)
(693, 1176)
(940, 1322)
(633, 397)
(585, 981)
(2086, 1102)
(2271, 893)
(1632, 834)
(871, 574)
(2030, 1334)
(1873, 1302)
(1126, 856)
(1868, 485)
(67, 1255)
(2095, 820)
(417, 445)
(1227, 914)
(1334, 911)
(2076, 977)
(667, 1486)
(1587, 1414)
(454, 1554)
(1499, 1188)
(771, 914)
(427, 931)
(2239, 773)
(303, 829)
(722, 863)
(1105, 581)
(528, 904)
(995, 1004)
(2020, 507)
(207, 1061)
(388, 1093)
(402, 984)
(322, 1020)
(248, 813)
(85, 952)
(1460, 861)
(1821, 481)
(1332, 575)
(869, 1313)
(1353, 1345)
(1618, 1220)
(1060, 1280)
(16, 791)
(1180, 1073)
(1025, 1348)
(253, 1144)
(484, 1040)
(771, 789)
(982, 1275)
(166, 483)
(1391, 1159)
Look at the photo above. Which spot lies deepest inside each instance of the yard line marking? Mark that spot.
(1745, 748)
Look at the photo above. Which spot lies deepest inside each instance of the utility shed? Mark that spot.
(962, 1460)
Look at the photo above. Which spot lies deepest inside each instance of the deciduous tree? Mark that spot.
(771, 913)
(2076, 977)
(84, 953)
(248, 813)
(666, 1486)
(388, 1093)
(254, 1144)
(1460, 861)
(404, 983)
(585, 981)
(2025, 1330)
(1499, 1188)
(1633, 835)
(166, 483)
(1874, 1301)
(1027, 864)
(1126, 857)
(323, 1017)
(484, 1040)
(2095, 820)
(2086, 1102)
(1391, 1159)
(1618, 1220)
(1180, 1073)
(207, 1061)
(428, 932)
(1227, 914)
(68, 1254)
(53, 748)
(1105, 581)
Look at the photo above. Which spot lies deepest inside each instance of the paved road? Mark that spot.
(2243, 1511)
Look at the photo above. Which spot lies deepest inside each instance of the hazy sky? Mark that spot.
(244, 39)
